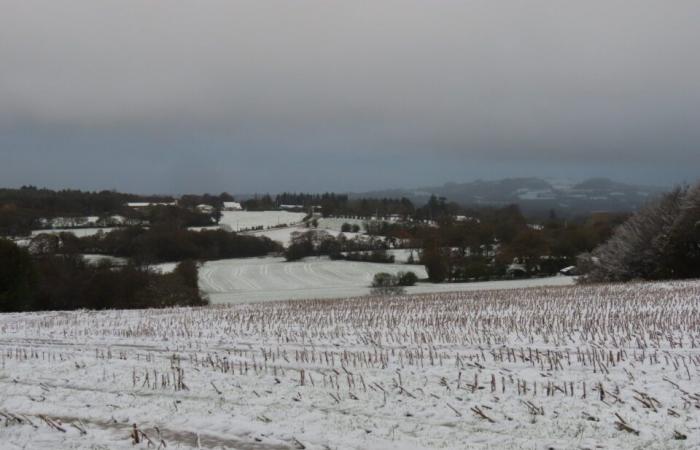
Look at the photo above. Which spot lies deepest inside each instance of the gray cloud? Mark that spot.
(272, 94)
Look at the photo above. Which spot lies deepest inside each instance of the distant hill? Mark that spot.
(536, 195)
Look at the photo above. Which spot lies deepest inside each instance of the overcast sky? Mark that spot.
(243, 96)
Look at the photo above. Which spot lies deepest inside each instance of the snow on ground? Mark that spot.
(96, 259)
(209, 228)
(612, 366)
(245, 280)
(241, 220)
(79, 232)
(264, 279)
(284, 235)
(164, 268)
(281, 235)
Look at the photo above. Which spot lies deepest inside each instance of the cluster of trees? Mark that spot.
(217, 201)
(71, 202)
(484, 246)
(385, 283)
(174, 216)
(158, 244)
(332, 204)
(321, 243)
(350, 228)
(437, 208)
(661, 241)
(21, 210)
(66, 282)
(312, 243)
(375, 256)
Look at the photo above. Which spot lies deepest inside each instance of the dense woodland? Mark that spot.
(161, 244)
(485, 247)
(330, 204)
(66, 282)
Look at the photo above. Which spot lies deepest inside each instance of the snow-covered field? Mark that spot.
(263, 279)
(246, 280)
(242, 220)
(336, 223)
(613, 367)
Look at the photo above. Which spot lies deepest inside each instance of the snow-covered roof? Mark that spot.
(232, 205)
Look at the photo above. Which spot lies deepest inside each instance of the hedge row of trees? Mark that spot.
(662, 241)
(21, 209)
(159, 244)
(334, 204)
(385, 283)
(67, 282)
(319, 242)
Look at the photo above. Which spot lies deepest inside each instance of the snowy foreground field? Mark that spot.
(245, 280)
(566, 367)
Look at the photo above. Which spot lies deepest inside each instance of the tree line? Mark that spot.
(661, 241)
(66, 282)
(158, 244)
(332, 204)
(488, 243)
(21, 210)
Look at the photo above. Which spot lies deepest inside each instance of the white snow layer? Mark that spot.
(614, 366)
(246, 280)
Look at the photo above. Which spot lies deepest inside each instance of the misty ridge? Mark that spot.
(537, 195)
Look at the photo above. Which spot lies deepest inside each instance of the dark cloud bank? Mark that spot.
(332, 95)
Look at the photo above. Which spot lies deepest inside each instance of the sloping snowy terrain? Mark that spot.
(243, 220)
(245, 280)
(612, 367)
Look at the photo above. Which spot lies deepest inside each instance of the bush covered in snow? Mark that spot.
(662, 241)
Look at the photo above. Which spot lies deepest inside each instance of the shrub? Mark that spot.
(386, 284)
(299, 250)
(407, 278)
(661, 241)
